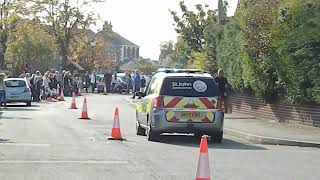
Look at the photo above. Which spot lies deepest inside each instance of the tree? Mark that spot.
(228, 55)
(191, 26)
(9, 16)
(166, 48)
(296, 44)
(199, 31)
(63, 20)
(259, 61)
(146, 66)
(30, 43)
(178, 58)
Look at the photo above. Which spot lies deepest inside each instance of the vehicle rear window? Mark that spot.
(15, 83)
(189, 87)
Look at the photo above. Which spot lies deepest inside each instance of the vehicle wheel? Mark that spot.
(217, 137)
(28, 103)
(151, 135)
(198, 135)
(139, 130)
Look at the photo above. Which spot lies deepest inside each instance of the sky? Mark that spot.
(147, 23)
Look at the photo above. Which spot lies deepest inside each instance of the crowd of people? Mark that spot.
(52, 84)
(134, 82)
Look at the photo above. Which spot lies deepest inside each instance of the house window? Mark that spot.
(137, 53)
(125, 52)
(133, 54)
(128, 52)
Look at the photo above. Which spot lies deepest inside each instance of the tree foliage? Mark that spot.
(198, 32)
(270, 48)
(30, 43)
(63, 20)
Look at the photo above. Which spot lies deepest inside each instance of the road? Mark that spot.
(48, 141)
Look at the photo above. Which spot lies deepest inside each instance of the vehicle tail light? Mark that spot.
(220, 103)
(158, 103)
(27, 90)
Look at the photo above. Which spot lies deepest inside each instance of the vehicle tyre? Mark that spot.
(198, 135)
(28, 103)
(152, 135)
(139, 130)
(217, 137)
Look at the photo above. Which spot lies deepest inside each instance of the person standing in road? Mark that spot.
(223, 86)
(3, 99)
(54, 83)
(128, 81)
(143, 83)
(86, 81)
(37, 81)
(107, 80)
(45, 86)
(136, 84)
(114, 81)
(93, 81)
(28, 78)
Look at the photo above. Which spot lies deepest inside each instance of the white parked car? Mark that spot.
(18, 90)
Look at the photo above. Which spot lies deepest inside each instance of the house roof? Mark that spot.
(118, 40)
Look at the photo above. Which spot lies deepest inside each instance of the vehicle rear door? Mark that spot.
(190, 99)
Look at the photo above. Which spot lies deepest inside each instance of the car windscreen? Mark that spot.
(189, 87)
(15, 83)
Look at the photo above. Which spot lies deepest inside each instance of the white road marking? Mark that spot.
(61, 162)
(25, 144)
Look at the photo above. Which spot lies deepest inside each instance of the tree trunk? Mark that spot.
(64, 60)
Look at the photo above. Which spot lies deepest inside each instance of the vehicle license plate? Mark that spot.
(188, 115)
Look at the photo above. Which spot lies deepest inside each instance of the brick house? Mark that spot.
(120, 50)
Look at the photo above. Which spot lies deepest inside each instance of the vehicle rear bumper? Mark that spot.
(21, 98)
(161, 125)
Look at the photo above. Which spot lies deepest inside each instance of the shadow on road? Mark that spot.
(21, 118)
(191, 141)
(4, 140)
(19, 108)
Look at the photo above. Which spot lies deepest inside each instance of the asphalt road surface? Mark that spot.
(48, 141)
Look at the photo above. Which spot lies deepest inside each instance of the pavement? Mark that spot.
(48, 141)
(264, 131)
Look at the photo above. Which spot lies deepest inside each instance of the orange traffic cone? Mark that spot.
(73, 103)
(84, 114)
(61, 95)
(116, 132)
(203, 169)
(79, 92)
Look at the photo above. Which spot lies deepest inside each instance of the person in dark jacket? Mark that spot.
(143, 83)
(37, 81)
(86, 81)
(67, 84)
(223, 84)
(107, 79)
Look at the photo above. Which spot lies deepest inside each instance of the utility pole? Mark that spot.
(221, 12)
